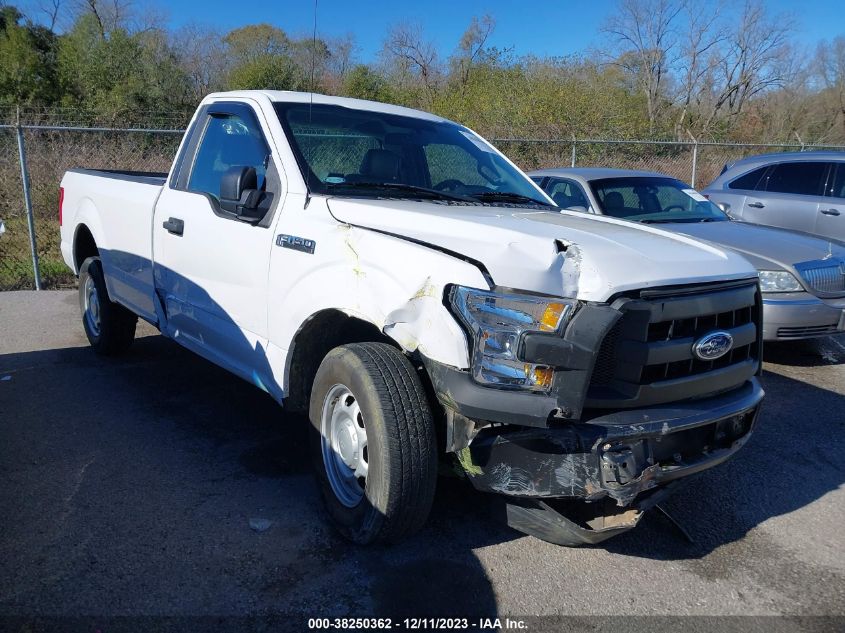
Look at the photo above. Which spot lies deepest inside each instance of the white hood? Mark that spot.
(601, 256)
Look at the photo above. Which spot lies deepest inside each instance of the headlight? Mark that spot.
(778, 281)
(497, 322)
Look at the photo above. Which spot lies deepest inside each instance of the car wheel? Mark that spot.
(373, 442)
(110, 327)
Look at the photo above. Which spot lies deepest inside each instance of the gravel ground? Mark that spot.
(129, 486)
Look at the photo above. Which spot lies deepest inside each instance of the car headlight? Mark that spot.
(497, 322)
(778, 281)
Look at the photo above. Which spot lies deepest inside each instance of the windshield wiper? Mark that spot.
(677, 220)
(399, 186)
(507, 196)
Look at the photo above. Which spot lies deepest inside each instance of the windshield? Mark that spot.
(653, 200)
(346, 152)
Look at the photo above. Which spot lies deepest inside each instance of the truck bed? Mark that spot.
(117, 206)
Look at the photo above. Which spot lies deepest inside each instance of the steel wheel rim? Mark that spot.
(92, 306)
(343, 440)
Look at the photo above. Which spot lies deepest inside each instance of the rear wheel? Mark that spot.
(110, 327)
(373, 442)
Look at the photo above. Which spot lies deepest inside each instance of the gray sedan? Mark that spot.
(803, 191)
(802, 277)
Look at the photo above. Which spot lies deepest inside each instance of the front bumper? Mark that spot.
(801, 315)
(617, 455)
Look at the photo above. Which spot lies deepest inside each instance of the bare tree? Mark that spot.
(51, 10)
(643, 34)
(122, 14)
(756, 57)
(97, 10)
(343, 49)
(201, 53)
(472, 44)
(700, 36)
(407, 48)
(829, 73)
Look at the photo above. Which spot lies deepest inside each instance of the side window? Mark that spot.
(229, 140)
(748, 181)
(805, 178)
(567, 193)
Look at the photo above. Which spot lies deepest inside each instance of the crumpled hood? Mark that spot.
(559, 253)
(766, 247)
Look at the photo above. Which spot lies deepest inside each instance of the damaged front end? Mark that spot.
(618, 455)
(614, 463)
(630, 410)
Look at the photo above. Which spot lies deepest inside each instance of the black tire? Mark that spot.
(113, 330)
(402, 452)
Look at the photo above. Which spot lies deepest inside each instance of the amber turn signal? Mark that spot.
(552, 316)
(541, 376)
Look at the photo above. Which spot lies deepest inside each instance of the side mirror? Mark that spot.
(239, 192)
(578, 208)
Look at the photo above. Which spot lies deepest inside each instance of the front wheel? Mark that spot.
(109, 326)
(373, 442)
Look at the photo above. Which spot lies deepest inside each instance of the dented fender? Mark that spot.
(418, 324)
(394, 284)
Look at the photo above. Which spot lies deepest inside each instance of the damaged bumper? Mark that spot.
(618, 455)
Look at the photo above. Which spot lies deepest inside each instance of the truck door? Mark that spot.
(211, 266)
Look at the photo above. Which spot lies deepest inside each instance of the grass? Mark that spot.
(16, 272)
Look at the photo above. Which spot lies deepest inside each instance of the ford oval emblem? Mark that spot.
(713, 345)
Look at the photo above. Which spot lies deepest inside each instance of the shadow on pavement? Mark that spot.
(814, 352)
(133, 483)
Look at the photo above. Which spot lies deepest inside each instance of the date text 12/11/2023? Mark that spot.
(432, 624)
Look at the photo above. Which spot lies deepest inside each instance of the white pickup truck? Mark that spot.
(395, 276)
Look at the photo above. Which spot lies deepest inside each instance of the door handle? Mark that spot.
(830, 211)
(174, 226)
(756, 205)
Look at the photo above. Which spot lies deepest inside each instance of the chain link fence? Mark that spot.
(49, 150)
(697, 163)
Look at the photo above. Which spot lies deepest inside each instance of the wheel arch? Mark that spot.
(84, 246)
(316, 337)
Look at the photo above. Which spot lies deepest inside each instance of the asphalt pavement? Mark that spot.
(157, 484)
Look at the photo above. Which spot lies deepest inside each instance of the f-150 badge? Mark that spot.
(296, 243)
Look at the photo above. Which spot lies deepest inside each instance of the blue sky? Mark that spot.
(558, 27)
(545, 27)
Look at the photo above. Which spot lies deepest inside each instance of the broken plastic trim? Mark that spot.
(564, 523)
(613, 456)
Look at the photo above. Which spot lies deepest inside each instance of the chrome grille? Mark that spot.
(825, 278)
(810, 330)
